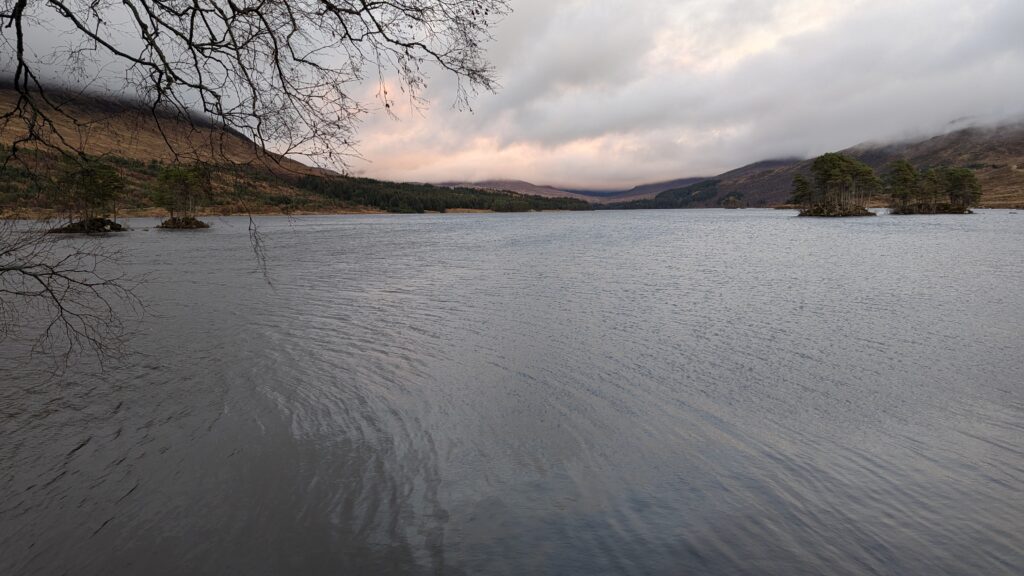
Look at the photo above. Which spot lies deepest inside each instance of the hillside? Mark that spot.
(245, 179)
(995, 154)
(117, 127)
(652, 190)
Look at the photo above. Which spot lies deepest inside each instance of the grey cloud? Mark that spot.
(883, 70)
(634, 78)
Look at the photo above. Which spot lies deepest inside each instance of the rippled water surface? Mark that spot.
(671, 392)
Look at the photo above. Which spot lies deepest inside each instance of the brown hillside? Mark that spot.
(995, 154)
(101, 126)
(247, 180)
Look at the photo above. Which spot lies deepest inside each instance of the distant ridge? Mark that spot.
(519, 187)
(594, 196)
(651, 190)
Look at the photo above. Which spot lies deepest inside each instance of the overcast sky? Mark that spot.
(611, 93)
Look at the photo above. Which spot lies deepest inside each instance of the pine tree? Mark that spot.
(904, 184)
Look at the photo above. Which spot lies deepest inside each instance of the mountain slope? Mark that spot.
(105, 126)
(652, 190)
(995, 154)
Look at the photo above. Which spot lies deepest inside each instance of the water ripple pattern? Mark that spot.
(670, 392)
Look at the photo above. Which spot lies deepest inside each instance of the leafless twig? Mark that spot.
(65, 295)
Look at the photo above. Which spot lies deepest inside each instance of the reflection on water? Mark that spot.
(622, 393)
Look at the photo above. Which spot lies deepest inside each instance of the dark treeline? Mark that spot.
(412, 198)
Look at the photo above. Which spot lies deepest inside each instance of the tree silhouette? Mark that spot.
(284, 73)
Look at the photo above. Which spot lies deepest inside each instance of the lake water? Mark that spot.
(647, 392)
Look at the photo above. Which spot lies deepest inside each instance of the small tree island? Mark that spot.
(180, 189)
(936, 191)
(86, 192)
(841, 187)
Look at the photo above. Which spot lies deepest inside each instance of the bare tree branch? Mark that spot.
(65, 295)
(280, 72)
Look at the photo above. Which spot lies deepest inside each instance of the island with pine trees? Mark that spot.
(942, 190)
(841, 186)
